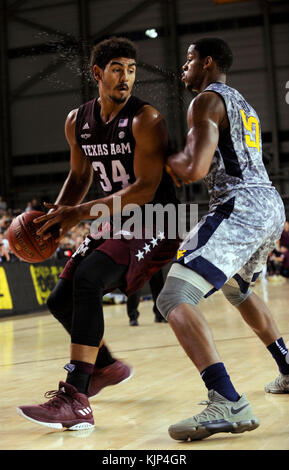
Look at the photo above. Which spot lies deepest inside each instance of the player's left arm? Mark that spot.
(206, 115)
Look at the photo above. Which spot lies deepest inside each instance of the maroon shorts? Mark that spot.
(144, 257)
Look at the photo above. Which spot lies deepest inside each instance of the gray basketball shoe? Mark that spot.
(279, 385)
(221, 415)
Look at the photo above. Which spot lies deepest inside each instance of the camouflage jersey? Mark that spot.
(237, 162)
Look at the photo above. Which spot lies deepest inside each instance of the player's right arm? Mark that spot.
(79, 178)
(206, 116)
(80, 175)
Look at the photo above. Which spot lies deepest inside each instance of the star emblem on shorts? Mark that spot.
(161, 236)
(147, 248)
(140, 255)
(154, 241)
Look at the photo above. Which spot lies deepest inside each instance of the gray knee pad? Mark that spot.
(175, 292)
(233, 294)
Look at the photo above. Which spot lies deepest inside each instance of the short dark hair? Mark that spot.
(106, 50)
(218, 49)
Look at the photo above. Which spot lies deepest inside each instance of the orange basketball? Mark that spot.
(25, 243)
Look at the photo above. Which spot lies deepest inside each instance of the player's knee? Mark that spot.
(56, 302)
(234, 295)
(60, 305)
(51, 303)
(61, 296)
(88, 322)
(175, 292)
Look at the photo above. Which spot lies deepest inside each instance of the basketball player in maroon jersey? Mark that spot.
(124, 141)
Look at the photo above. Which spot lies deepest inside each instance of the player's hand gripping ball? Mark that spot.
(25, 243)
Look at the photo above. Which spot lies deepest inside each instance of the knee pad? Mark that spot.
(88, 322)
(56, 302)
(50, 303)
(233, 294)
(176, 292)
(59, 303)
(182, 286)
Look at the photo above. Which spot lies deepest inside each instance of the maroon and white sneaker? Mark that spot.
(67, 408)
(109, 375)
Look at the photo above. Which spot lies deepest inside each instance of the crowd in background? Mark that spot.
(278, 259)
(277, 263)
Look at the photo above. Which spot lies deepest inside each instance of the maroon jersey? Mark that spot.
(110, 148)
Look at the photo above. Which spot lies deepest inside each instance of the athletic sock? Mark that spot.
(216, 378)
(79, 374)
(104, 358)
(280, 354)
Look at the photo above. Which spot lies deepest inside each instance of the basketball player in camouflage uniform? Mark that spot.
(124, 141)
(229, 247)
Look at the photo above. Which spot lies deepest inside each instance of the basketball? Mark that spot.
(25, 243)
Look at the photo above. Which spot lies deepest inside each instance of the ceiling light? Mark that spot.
(151, 33)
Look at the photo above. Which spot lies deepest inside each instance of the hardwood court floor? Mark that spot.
(165, 387)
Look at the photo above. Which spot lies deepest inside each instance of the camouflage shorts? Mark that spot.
(234, 238)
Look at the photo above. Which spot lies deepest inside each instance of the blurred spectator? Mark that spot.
(79, 232)
(36, 205)
(28, 207)
(13, 213)
(5, 221)
(3, 204)
(65, 248)
(2, 213)
(78, 240)
(4, 250)
(284, 239)
(274, 263)
(282, 263)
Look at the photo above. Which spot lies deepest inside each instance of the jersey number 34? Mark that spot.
(118, 172)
